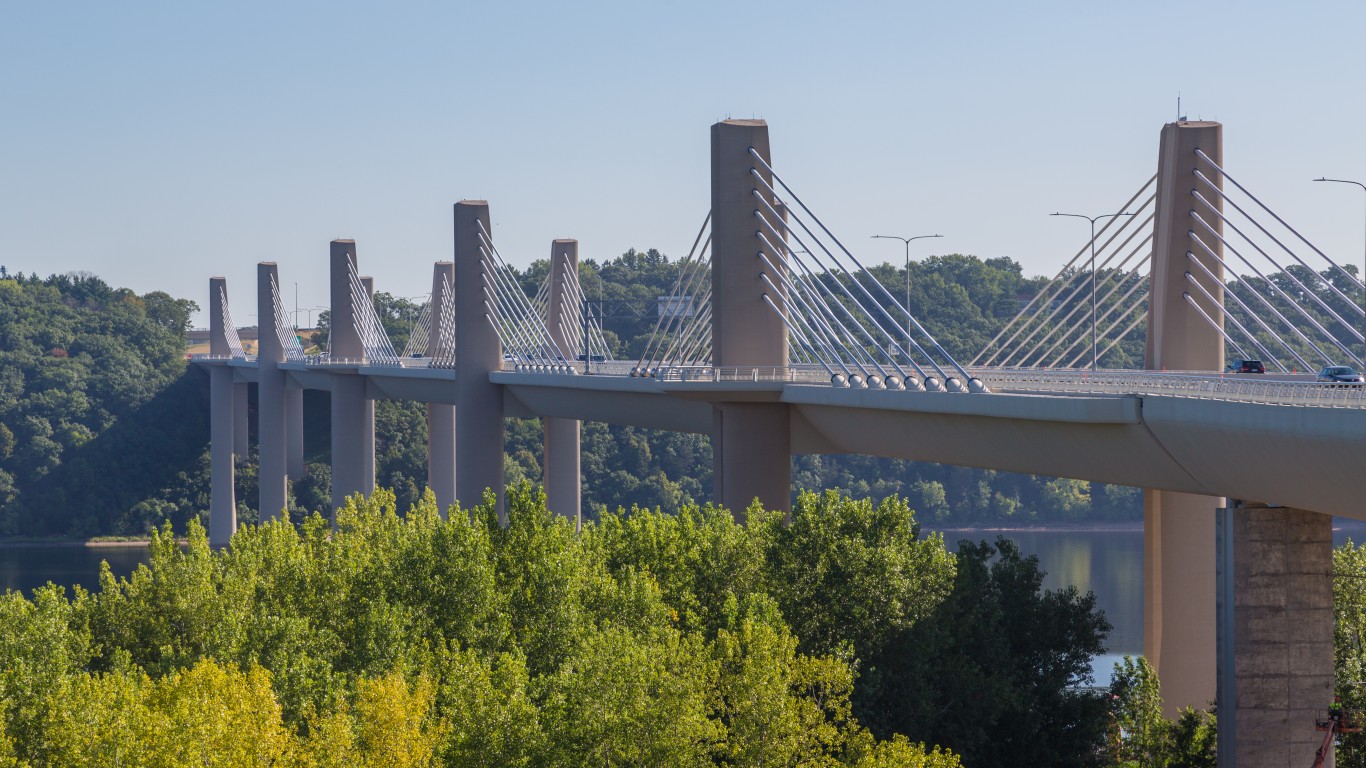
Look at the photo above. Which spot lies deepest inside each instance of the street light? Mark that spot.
(1093, 219)
(1363, 274)
(907, 241)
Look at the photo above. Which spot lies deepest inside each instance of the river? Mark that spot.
(1107, 562)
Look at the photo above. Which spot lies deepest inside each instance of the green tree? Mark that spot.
(994, 672)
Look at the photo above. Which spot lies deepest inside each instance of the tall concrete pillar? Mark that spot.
(1178, 528)
(752, 441)
(352, 418)
(561, 447)
(368, 408)
(222, 495)
(479, 402)
(440, 417)
(241, 419)
(1275, 635)
(294, 432)
(271, 421)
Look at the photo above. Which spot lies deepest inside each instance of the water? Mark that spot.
(25, 567)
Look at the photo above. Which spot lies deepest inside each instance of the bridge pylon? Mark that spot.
(1178, 528)
(222, 421)
(440, 416)
(752, 439)
(561, 449)
(353, 414)
(479, 439)
(272, 424)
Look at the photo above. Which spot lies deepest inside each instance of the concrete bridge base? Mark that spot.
(1275, 634)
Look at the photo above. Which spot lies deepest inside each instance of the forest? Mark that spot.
(413, 639)
(104, 426)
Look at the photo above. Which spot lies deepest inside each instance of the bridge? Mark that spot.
(777, 341)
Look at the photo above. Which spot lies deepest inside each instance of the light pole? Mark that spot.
(1363, 274)
(1095, 356)
(907, 241)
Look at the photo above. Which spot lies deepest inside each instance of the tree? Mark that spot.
(994, 672)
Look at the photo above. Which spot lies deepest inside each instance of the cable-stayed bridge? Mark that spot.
(777, 340)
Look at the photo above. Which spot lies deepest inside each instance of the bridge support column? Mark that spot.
(440, 417)
(751, 444)
(294, 433)
(565, 321)
(271, 421)
(241, 419)
(479, 402)
(1275, 634)
(353, 415)
(1179, 588)
(222, 422)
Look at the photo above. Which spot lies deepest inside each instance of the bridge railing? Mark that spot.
(207, 357)
(1203, 386)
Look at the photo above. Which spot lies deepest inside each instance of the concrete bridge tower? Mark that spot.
(1178, 528)
(271, 421)
(353, 414)
(561, 452)
(440, 416)
(751, 440)
(222, 422)
(478, 402)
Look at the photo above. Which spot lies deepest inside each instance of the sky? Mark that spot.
(159, 144)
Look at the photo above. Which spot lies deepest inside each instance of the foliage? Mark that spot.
(412, 640)
(1349, 643)
(995, 671)
(1140, 737)
(97, 409)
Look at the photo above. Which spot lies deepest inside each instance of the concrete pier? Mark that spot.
(561, 442)
(479, 403)
(440, 417)
(353, 415)
(271, 421)
(1178, 528)
(751, 444)
(1275, 635)
(222, 422)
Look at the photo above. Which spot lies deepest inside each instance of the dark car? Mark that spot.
(1340, 374)
(1246, 366)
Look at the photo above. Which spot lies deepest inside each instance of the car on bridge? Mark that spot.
(1246, 366)
(1340, 374)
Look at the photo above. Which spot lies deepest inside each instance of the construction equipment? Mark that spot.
(1338, 721)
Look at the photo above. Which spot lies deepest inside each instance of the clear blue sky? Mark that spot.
(157, 144)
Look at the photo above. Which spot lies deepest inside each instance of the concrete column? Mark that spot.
(1278, 647)
(1179, 578)
(294, 432)
(241, 419)
(440, 417)
(352, 418)
(561, 447)
(368, 409)
(479, 402)
(271, 420)
(222, 494)
(752, 444)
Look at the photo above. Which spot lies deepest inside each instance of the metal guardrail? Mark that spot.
(1204, 386)
(208, 357)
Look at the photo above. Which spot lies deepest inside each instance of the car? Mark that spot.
(1246, 366)
(1340, 374)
